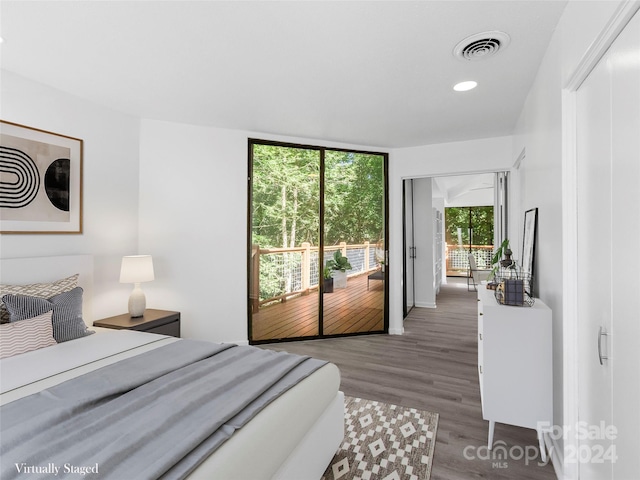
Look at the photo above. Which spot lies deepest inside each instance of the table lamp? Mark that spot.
(136, 269)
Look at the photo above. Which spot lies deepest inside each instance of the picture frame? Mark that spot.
(41, 181)
(529, 240)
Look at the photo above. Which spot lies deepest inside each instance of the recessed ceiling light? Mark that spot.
(464, 86)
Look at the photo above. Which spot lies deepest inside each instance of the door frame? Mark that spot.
(405, 220)
(570, 352)
(322, 150)
(508, 199)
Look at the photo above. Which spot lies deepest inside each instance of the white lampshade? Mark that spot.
(136, 269)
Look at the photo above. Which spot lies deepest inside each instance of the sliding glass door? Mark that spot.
(285, 235)
(317, 242)
(354, 228)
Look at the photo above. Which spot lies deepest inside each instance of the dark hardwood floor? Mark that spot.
(433, 366)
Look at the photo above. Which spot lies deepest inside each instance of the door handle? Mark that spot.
(601, 333)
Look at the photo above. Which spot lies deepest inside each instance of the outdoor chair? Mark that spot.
(475, 276)
(377, 275)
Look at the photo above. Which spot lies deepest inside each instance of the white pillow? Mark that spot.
(26, 335)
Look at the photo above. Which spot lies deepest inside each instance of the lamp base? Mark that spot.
(137, 302)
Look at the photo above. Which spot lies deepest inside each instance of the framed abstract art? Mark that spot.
(40, 181)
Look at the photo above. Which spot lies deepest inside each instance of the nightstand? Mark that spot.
(164, 322)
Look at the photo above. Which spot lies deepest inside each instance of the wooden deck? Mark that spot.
(346, 310)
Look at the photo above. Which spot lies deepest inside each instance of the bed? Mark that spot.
(293, 436)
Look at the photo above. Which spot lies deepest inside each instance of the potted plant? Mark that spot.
(327, 280)
(339, 265)
(510, 288)
(497, 261)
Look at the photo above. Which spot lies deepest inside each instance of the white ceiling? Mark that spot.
(465, 190)
(374, 73)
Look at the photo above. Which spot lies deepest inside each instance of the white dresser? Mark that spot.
(515, 364)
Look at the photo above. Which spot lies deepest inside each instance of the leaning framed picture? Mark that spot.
(529, 239)
(40, 181)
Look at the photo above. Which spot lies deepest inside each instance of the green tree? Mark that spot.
(354, 196)
(286, 196)
(480, 219)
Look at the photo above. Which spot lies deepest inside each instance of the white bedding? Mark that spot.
(294, 437)
(31, 372)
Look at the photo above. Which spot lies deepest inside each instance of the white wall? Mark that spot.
(539, 132)
(193, 220)
(110, 201)
(473, 156)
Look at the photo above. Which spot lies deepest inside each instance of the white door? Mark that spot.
(608, 165)
(624, 62)
(594, 264)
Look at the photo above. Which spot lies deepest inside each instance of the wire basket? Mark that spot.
(513, 287)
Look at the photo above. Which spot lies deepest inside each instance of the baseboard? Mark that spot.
(556, 458)
(396, 331)
(425, 305)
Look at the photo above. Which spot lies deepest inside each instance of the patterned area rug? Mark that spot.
(384, 442)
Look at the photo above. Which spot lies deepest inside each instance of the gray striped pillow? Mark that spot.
(26, 335)
(67, 312)
(42, 290)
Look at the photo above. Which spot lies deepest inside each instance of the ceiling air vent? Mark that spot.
(481, 46)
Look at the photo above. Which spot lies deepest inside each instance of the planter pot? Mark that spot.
(339, 279)
(328, 285)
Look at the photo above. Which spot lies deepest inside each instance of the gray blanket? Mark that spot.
(156, 415)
